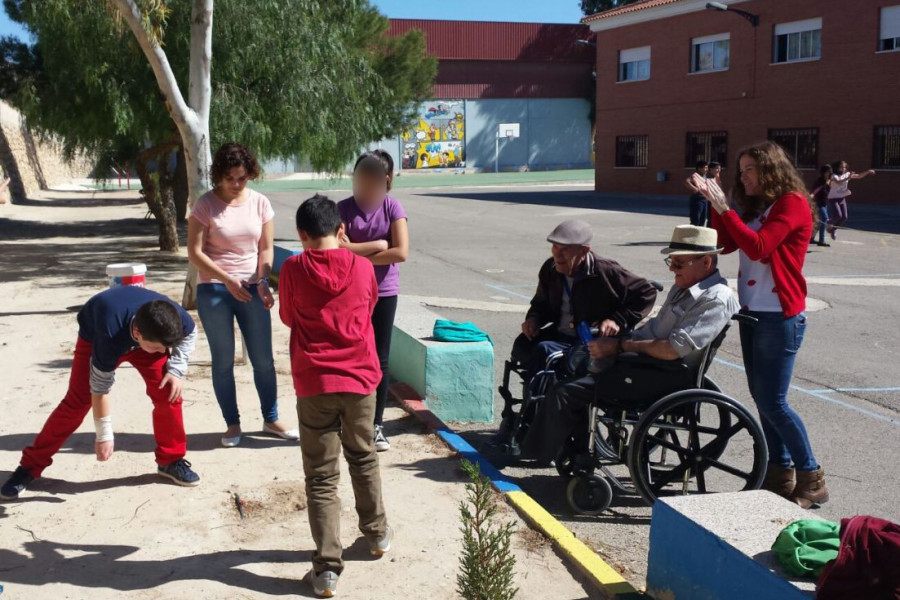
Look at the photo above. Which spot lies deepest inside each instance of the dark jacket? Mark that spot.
(602, 290)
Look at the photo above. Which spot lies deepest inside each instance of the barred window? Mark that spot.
(708, 146)
(887, 147)
(802, 145)
(632, 150)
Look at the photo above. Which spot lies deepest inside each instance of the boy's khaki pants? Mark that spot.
(327, 423)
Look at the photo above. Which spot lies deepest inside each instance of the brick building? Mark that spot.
(678, 82)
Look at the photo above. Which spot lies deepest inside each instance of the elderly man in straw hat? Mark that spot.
(655, 360)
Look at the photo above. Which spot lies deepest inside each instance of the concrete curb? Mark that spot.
(586, 560)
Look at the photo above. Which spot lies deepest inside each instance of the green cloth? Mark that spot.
(451, 331)
(804, 547)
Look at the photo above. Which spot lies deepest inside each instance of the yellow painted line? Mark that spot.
(601, 573)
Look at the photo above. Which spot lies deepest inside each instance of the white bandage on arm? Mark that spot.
(104, 428)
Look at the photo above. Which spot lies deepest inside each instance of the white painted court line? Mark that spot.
(823, 396)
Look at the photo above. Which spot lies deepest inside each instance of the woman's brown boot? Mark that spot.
(779, 480)
(810, 488)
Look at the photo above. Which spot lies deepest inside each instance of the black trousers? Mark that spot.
(383, 324)
(634, 380)
(699, 210)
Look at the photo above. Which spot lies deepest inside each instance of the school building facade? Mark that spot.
(678, 82)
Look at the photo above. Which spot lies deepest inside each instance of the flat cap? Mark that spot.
(571, 233)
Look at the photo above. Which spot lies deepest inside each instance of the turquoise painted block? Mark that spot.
(459, 381)
(407, 360)
(456, 380)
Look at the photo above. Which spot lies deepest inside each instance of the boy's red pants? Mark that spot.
(168, 426)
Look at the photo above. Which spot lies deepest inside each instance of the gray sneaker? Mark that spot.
(382, 545)
(381, 443)
(324, 584)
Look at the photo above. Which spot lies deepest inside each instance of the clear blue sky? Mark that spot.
(537, 11)
(7, 27)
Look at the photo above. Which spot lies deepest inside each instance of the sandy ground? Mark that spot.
(117, 530)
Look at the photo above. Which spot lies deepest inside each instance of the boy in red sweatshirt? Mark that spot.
(326, 297)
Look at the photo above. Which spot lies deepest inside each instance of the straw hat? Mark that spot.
(690, 239)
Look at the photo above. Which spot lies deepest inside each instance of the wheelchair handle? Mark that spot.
(656, 285)
(744, 319)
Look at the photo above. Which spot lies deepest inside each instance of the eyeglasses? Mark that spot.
(677, 265)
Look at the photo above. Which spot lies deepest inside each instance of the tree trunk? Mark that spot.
(191, 117)
(195, 129)
(158, 193)
(180, 186)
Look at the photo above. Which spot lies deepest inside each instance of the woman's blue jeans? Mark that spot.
(770, 347)
(218, 310)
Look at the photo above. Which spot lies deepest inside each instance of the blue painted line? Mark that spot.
(500, 288)
(497, 478)
(822, 396)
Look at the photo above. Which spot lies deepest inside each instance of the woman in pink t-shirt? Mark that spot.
(231, 242)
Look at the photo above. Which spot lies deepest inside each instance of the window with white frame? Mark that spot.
(710, 53)
(798, 41)
(889, 31)
(634, 64)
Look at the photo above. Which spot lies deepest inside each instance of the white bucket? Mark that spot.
(120, 274)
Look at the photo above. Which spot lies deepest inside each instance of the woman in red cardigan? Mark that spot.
(771, 229)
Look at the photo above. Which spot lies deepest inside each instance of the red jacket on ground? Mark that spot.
(868, 562)
(327, 297)
(781, 242)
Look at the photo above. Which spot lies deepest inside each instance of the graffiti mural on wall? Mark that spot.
(437, 139)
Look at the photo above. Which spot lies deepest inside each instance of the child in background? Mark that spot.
(327, 295)
(820, 196)
(838, 194)
(697, 182)
(375, 227)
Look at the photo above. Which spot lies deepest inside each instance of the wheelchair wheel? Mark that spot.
(712, 443)
(677, 435)
(589, 494)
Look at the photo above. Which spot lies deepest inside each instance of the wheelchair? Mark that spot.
(695, 440)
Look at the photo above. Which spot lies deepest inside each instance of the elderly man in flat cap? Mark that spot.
(577, 285)
(659, 358)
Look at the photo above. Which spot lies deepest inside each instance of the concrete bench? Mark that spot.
(456, 380)
(717, 546)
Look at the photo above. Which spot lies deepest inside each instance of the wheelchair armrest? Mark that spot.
(744, 319)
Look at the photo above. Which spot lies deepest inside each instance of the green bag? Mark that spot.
(804, 547)
(451, 331)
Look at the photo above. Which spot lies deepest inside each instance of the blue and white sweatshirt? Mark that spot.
(106, 322)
